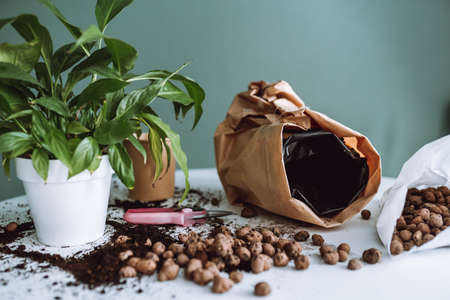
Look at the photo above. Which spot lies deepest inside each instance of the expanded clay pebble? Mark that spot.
(254, 236)
(425, 214)
(280, 259)
(331, 258)
(182, 259)
(371, 256)
(176, 248)
(301, 262)
(124, 255)
(146, 266)
(244, 254)
(11, 227)
(133, 261)
(354, 264)
(158, 248)
(122, 239)
(221, 285)
(317, 240)
(326, 249)
(212, 267)
(293, 249)
(167, 254)
(202, 276)
(153, 256)
(193, 265)
(236, 276)
(262, 289)
(261, 263)
(169, 271)
(127, 271)
(396, 247)
(365, 214)
(268, 249)
(301, 236)
(242, 232)
(248, 212)
(344, 247)
(256, 248)
(342, 255)
(182, 237)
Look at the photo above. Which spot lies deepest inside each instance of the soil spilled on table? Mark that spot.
(101, 266)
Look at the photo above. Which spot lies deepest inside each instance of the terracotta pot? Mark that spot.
(144, 189)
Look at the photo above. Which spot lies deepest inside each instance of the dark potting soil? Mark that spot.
(100, 266)
(8, 237)
(201, 199)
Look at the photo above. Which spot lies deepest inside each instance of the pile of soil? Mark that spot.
(101, 266)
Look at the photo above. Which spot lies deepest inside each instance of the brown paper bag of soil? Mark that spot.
(249, 151)
(145, 190)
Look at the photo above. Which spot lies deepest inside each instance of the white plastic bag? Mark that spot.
(428, 167)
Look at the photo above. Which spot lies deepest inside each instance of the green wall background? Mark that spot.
(380, 67)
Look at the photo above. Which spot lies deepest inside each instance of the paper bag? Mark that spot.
(428, 167)
(249, 152)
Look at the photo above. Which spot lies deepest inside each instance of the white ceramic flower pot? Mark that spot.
(67, 212)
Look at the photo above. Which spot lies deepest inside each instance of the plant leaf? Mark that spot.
(20, 114)
(40, 126)
(104, 71)
(25, 56)
(58, 146)
(6, 21)
(84, 155)
(95, 164)
(139, 147)
(30, 29)
(62, 59)
(112, 101)
(168, 151)
(123, 55)
(74, 30)
(156, 151)
(6, 163)
(96, 91)
(40, 162)
(175, 143)
(13, 140)
(106, 10)
(173, 93)
(114, 131)
(100, 57)
(193, 88)
(10, 71)
(54, 104)
(121, 164)
(11, 101)
(75, 127)
(136, 100)
(43, 76)
(91, 34)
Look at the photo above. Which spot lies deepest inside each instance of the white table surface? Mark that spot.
(422, 275)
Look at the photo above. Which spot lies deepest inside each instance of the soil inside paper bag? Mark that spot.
(323, 172)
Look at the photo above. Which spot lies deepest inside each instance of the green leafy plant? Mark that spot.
(42, 118)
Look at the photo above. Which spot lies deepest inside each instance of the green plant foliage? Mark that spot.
(41, 117)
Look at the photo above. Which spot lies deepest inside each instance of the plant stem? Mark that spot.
(20, 125)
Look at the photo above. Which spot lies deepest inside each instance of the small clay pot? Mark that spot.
(145, 190)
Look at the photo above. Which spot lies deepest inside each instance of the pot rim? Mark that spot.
(58, 172)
